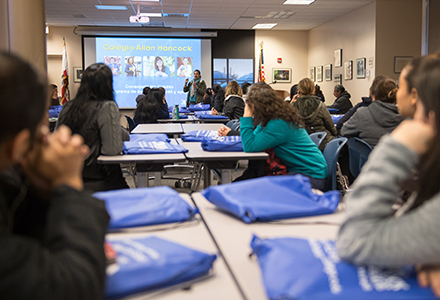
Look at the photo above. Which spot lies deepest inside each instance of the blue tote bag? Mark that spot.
(223, 143)
(207, 115)
(142, 146)
(150, 263)
(199, 135)
(182, 110)
(271, 198)
(55, 110)
(145, 206)
(199, 107)
(149, 137)
(309, 269)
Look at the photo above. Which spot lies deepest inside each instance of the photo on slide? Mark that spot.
(133, 66)
(185, 67)
(114, 63)
(159, 66)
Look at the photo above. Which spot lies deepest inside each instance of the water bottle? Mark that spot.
(176, 111)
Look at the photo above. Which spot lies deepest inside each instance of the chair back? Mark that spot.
(131, 123)
(331, 154)
(358, 150)
(318, 137)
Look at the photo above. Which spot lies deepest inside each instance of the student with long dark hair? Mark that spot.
(280, 127)
(51, 232)
(94, 115)
(151, 108)
(218, 98)
(373, 233)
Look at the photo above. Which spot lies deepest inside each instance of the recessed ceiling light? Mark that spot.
(111, 7)
(265, 26)
(145, 1)
(299, 2)
(151, 15)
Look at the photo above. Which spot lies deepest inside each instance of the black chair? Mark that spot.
(131, 123)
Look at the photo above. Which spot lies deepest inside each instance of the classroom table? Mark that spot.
(145, 163)
(225, 161)
(233, 238)
(218, 285)
(224, 121)
(168, 128)
(201, 126)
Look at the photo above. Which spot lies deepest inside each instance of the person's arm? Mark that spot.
(338, 103)
(163, 114)
(351, 127)
(187, 86)
(262, 139)
(124, 134)
(109, 129)
(372, 234)
(69, 263)
(346, 116)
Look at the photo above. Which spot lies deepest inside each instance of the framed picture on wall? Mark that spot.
(328, 72)
(400, 62)
(338, 79)
(319, 73)
(77, 74)
(312, 73)
(360, 68)
(281, 75)
(348, 70)
(337, 58)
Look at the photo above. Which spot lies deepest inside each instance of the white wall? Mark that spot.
(291, 46)
(354, 33)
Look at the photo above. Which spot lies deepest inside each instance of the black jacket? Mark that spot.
(51, 247)
(233, 107)
(217, 102)
(342, 103)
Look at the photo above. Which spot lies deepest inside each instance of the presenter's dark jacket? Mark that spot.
(342, 103)
(51, 246)
(200, 91)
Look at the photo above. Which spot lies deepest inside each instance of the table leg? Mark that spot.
(226, 176)
(206, 177)
(157, 178)
(142, 179)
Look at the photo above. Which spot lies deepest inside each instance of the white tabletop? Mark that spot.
(142, 158)
(168, 128)
(201, 126)
(234, 237)
(196, 152)
(219, 286)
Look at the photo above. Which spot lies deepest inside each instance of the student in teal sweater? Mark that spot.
(280, 128)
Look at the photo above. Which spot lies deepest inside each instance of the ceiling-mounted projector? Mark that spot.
(139, 18)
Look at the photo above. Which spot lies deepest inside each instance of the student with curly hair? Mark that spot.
(280, 128)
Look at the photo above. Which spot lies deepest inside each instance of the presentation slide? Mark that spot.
(153, 62)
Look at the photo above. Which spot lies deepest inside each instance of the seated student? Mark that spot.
(319, 93)
(53, 90)
(372, 234)
(380, 117)
(207, 98)
(365, 102)
(51, 232)
(280, 128)
(342, 102)
(142, 96)
(94, 115)
(314, 113)
(233, 107)
(245, 89)
(151, 108)
(293, 93)
(218, 98)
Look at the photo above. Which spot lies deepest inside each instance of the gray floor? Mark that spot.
(171, 176)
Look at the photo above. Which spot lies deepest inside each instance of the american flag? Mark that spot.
(261, 76)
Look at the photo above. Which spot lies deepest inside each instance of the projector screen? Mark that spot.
(152, 62)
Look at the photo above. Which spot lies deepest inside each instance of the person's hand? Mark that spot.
(224, 130)
(214, 112)
(248, 112)
(429, 276)
(415, 135)
(186, 81)
(294, 98)
(57, 160)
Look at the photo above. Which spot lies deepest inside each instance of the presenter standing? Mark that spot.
(196, 89)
